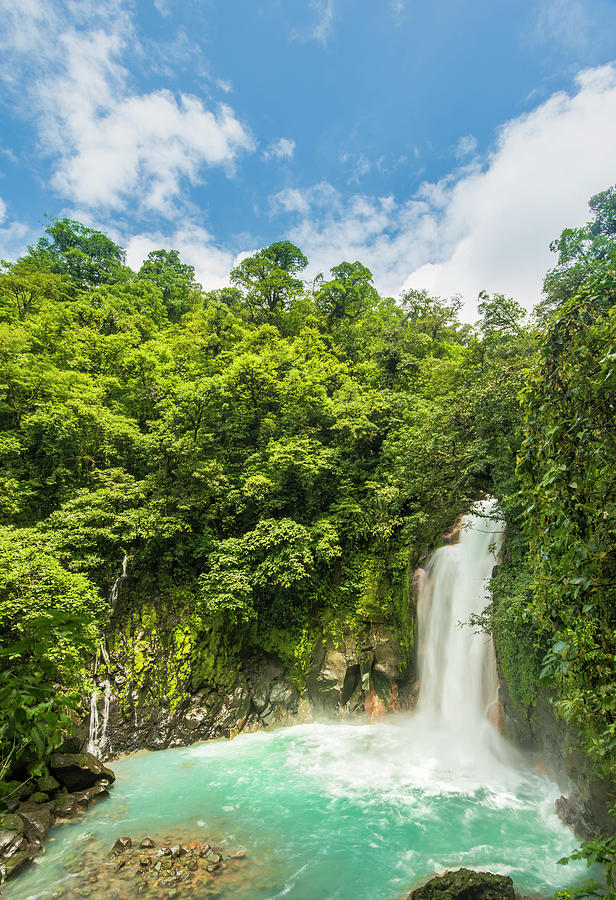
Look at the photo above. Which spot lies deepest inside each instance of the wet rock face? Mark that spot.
(351, 673)
(464, 884)
(261, 696)
(160, 703)
(349, 676)
(586, 806)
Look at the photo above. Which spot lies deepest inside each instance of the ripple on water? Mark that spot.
(329, 811)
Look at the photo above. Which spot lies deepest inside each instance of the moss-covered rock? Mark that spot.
(464, 884)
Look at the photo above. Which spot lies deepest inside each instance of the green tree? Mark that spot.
(49, 623)
(434, 316)
(269, 279)
(582, 252)
(348, 295)
(175, 279)
(87, 255)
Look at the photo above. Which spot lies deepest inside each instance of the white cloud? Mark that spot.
(325, 18)
(283, 148)
(108, 143)
(301, 200)
(361, 166)
(487, 225)
(322, 27)
(14, 237)
(225, 85)
(163, 7)
(467, 145)
(196, 247)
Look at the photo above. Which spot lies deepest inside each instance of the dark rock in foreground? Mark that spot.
(464, 884)
(34, 812)
(79, 771)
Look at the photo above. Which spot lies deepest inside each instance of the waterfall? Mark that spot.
(457, 666)
(94, 724)
(117, 584)
(97, 733)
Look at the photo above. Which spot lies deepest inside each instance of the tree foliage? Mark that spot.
(281, 453)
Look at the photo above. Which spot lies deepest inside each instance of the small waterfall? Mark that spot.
(97, 733)
(117, 584)
(94, 724)
(458, 682)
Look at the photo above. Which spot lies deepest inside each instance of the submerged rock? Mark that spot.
(464, 884)
(185, 870)
(122, 844)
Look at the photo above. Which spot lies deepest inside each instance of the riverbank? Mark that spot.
(74, 782)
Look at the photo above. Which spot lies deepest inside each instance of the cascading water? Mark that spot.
(352, 810)
(97, 733)
(458, 682)
(115, 590)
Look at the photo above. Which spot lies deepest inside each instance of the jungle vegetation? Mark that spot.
(280, 452)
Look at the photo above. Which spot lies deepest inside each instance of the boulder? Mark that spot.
(65, 805)
(79, 771)
(388, 659)
(566, 811)
(325, 681)
(38, 818)
(122, 844)
(11, 842)
(47, 784)
(12, 822)
(234, 712)
(91, 795)
(11, 866)
(71, 744)
(464, 884)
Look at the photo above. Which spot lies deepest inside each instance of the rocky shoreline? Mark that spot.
(166, 870)
(73, 783)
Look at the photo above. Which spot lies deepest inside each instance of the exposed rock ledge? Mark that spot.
(366, 673)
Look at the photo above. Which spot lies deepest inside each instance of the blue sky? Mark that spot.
(441, 144)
